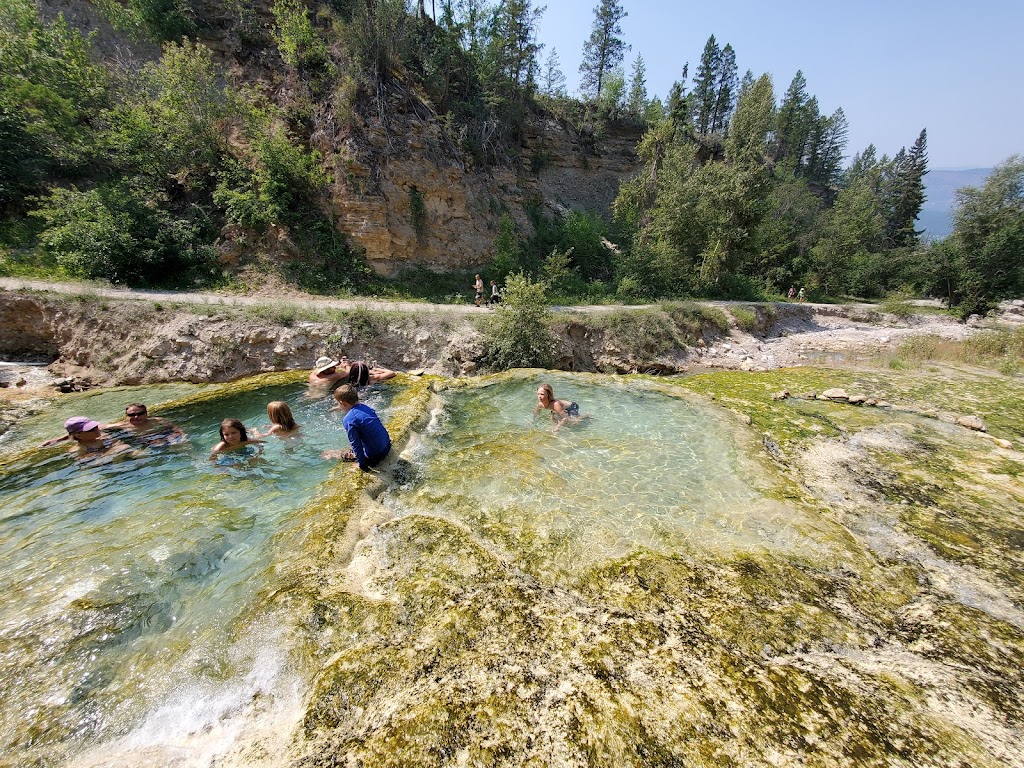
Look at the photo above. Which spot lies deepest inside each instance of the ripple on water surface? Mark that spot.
(642, 469)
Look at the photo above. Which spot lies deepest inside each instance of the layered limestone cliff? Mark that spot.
(385, 173)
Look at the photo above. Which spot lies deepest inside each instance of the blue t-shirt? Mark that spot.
(369, 438)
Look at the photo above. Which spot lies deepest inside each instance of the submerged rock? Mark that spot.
(972, 422)
(836, 393)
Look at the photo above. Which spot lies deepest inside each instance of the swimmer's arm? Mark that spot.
(217, 449)
(54, 441)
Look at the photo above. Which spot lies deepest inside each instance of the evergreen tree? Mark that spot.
(907, 193)
(605, 47)
(797, 114)
(725, 91)
(636, 101)
(679, 104)
(861, 163)
(512, 47)
(705, 84)
(825, 147)
(552, 81)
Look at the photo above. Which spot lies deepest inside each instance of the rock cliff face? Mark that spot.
(374, 195)
(404, 189)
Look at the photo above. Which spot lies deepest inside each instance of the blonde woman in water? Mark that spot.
(562, 411)
(282, 422)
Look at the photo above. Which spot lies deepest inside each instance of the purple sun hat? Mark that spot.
(77, 424)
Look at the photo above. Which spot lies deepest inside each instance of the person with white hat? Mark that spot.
(328, 371)
(325, 372)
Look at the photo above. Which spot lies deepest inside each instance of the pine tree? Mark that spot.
(797, 114)
(832, 147)
(907, 191)
(860, 165)
(605, 47)
(705, 93)
(679, 107)
(512, 46)
(725, 91)
(552, 81)
(636, 101)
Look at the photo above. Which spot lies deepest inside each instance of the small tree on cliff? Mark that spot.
(604, 49)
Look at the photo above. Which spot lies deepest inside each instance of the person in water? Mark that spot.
(367, 435)
(152, 429)
(137, 421)
(562, 411)
(233, 437)
(88, 435)
(328, 371)
(281, 419)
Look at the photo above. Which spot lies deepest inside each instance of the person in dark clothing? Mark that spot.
(367, 435)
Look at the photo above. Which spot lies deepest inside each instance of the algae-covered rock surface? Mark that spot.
(841, 588)
(726, 569)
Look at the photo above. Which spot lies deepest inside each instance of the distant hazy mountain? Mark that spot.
(936, 217)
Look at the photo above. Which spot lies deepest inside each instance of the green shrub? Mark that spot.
(518, 334)
(300, 46)
(418, 213)
(557, 270)
(642, 333)
(116, 233)
(745, 317)
(507, 252)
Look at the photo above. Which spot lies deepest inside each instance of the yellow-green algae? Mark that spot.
(458, 647)
(468, 655)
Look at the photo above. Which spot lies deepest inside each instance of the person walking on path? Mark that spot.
(478, 286)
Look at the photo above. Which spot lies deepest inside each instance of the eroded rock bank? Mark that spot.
(103, 341)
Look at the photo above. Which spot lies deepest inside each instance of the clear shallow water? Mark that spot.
(644, 469)
(132, 586)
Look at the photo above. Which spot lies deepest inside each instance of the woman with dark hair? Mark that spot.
(232, 437)
(360, 374)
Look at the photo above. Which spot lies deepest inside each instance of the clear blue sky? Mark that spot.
(895, 67)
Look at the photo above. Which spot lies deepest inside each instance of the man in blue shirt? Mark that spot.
(369, 438)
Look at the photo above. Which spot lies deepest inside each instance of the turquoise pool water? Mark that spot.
(135, 586)
(642, 470)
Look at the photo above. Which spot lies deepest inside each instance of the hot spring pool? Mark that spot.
(641, 470)
(143, 623)
(133, 586)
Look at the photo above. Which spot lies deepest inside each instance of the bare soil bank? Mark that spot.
(140, 338)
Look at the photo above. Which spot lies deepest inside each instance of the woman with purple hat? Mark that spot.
(90, 439)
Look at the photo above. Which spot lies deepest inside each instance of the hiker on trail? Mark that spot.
(478, 286)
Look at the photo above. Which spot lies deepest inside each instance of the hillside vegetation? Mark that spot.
(186, 143)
